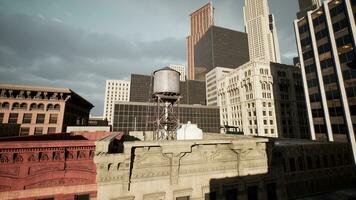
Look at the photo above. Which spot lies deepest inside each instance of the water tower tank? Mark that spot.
(166, 81)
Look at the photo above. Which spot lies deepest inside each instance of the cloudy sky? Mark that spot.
(81, 43)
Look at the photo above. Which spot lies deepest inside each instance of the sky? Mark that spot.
(79, 44)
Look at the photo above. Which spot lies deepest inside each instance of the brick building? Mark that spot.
(42, 110)
(56, 166)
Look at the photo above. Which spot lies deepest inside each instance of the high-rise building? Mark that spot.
(264, 99)
(192, 91)
(306, 5)
(211, 82)
(326, 44)
(115, 90)
(219, 47)
(261, 30)
(200, 21)
(180, 69)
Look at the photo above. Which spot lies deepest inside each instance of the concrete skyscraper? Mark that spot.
(115, 90)
(261, 30)
(200, 21)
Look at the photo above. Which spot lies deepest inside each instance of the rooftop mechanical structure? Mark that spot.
(166, 94)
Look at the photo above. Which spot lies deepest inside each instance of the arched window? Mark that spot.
(23, 106)
(33, 106)
(50, 107)
(41, 106)
(5, 105)
(15, 106)
(57, 107)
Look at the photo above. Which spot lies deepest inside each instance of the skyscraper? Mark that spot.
(326, 45)
(306, 5)
(115, 90)
(200, 21)
(261, 30)
(180, 69)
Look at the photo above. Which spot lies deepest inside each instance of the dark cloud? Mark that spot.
(34, 50)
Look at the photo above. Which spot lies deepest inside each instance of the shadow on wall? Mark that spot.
(287, 178)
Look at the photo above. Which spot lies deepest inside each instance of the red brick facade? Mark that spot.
(50, 166)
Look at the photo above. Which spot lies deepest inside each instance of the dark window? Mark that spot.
(231, 194)
(27, 118)
(53, 118)
(1, 117)
(183, 198)
(309, 162)
(40, 118)
(24, 131)
(271, 191)
(326, 161)
(51, 130)
(301, 163)
(252, 193)
(13, 118)
(82, 197)
(38, 131)
(292, 164)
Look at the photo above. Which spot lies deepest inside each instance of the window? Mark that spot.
(183, 198)
(1, 117)
(292, 164)
(271, 122)
(40, 118)
(82, 197)
(38, 131)
(51, 130)
(13, 118)
(265, 122)
(53, 118)
(252, 193)
(24, 131)
(27, 118)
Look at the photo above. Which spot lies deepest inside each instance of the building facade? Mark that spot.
(264, 99)
(245, 98)
(326, 44)
(42, 110)
(140, 116)
(115, 90)
(192, 91)
(180, 69)
(211, 82)
(219, 47)
(48, 167)
(261, 30)
(200, 21)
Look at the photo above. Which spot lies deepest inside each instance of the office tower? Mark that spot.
(261, 30)
(42, 110)
(264, 99)
(326, 45)
(219, 47)
(192, 92)
(200, 21)
(115, 90)
(306, 5)
(211, 82)
(180, 69)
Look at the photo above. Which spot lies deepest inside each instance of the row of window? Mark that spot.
(33, 106)
(38, 130)
(27, 118)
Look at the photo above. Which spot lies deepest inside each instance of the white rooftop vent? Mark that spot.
(189, 131)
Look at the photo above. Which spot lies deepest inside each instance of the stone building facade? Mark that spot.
(151, 170)
(42, 110)
(264, 99)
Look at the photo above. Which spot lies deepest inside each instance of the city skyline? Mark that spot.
(41, 42)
